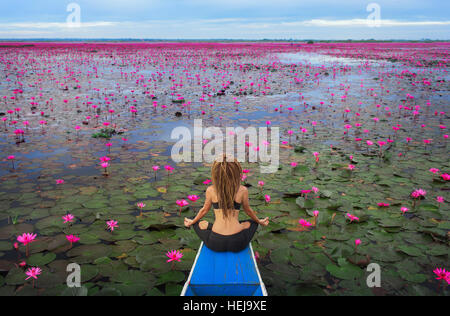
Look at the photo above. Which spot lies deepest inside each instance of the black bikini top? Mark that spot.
(237, 206)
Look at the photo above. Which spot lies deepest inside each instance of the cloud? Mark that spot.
(233, 28)
(364, 22)
(240, 22)
(53, 25)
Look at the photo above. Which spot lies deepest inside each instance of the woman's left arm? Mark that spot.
(250, 212)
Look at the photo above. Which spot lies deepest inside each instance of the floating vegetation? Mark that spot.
(363, 175)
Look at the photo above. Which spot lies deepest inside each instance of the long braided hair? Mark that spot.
(226, 178)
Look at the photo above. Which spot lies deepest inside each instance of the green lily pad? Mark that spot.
(173, 289)
(4, 245)
(412, 277)
(40, 259)
(345, 271)
(89, 253)
(15, 276)
(88, 272)
(171, 276)
(410, 250)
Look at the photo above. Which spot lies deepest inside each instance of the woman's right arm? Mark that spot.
(202, 212)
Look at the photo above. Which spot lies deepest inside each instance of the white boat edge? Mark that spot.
(263, 287)
(186, 285)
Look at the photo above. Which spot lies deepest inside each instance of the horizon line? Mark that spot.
(219, 39)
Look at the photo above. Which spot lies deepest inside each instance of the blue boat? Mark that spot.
(224, 274)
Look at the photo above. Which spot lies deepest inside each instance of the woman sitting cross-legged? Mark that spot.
(226, 195)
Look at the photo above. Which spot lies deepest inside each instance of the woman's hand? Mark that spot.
(264, 222)
(187, 222)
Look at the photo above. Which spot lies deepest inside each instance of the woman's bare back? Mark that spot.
(230, 225)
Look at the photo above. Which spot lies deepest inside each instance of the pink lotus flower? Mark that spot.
(207, 181)
(267, 198)
(351, 167)
(418, 193)
(72, 239)
(440, 199)
(352, 217)
(105, 159)
(192, 198)
(293, 164)
(169, 168)
(26, 238)
(304, 223)
(141, 206)
(174, 255)
(305, 193)
(33, 273)
(445, 176)
(181, 204)
(357, 242)
(442, 274)
(59, 181)
(316, 213)
(12, 157)
(381, 204)
(404, 209)
(68, 218)
(111, 225)
(434, 170)
(316, 154)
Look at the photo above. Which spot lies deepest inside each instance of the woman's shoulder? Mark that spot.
(243, 188)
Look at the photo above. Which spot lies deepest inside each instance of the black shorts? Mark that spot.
(220, 243)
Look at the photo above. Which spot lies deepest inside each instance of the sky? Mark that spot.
(226, 19)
